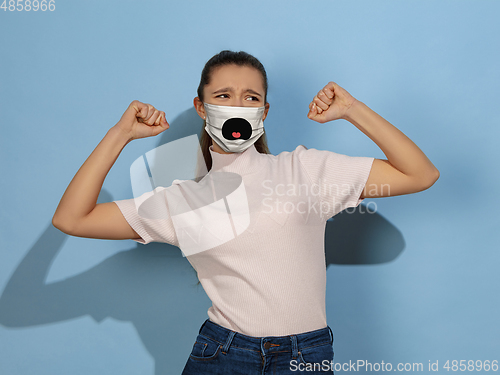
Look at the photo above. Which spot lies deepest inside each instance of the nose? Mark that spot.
(237, 101)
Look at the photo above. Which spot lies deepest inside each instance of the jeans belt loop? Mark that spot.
(295, 351)
(228, 342)
(331, 335)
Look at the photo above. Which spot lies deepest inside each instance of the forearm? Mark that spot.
(81, 195)
(400, 151)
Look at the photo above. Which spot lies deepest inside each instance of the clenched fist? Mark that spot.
(331, 103)
(142, 120)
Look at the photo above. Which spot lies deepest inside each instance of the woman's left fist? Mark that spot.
(331, 103)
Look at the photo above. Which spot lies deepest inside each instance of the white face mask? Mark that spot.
(234, 129)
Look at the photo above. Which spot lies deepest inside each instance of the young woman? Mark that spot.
(261, 256)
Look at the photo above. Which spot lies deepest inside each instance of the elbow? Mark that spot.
(430, 179)
(56, 223)
(437, 174)
(434, 176)
(62, 225)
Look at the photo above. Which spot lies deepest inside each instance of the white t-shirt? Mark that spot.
(264, 269)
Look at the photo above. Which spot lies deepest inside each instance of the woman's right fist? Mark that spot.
(142, 120)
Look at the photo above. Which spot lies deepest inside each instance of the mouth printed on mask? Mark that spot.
(234, 129)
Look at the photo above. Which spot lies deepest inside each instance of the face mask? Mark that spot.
(234, 129)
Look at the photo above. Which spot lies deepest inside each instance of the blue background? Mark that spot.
(427, 286)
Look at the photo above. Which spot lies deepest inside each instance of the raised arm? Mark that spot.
(407, 169)
(78, 213)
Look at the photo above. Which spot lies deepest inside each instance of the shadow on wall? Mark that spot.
(355, 236)
(133, 285)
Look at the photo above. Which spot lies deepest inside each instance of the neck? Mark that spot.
(238, 162)
(219, 150)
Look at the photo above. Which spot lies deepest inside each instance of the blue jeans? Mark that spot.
(218, 350)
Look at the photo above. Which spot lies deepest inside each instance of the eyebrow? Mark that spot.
(226, 89)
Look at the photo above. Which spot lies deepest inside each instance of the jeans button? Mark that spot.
(267, 345)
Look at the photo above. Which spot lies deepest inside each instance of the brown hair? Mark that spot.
(221, 59)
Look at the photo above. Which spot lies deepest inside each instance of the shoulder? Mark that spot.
(288, 155)
(282, 158)
(302, 150)
(305, 155)
(308, 157)
(302, 154)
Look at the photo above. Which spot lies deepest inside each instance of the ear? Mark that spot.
(200, 109)
(265, 111)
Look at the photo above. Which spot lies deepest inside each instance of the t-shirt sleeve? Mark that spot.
(337, 179)
(149, 216)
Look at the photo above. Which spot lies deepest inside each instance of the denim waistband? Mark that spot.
(266, 345)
